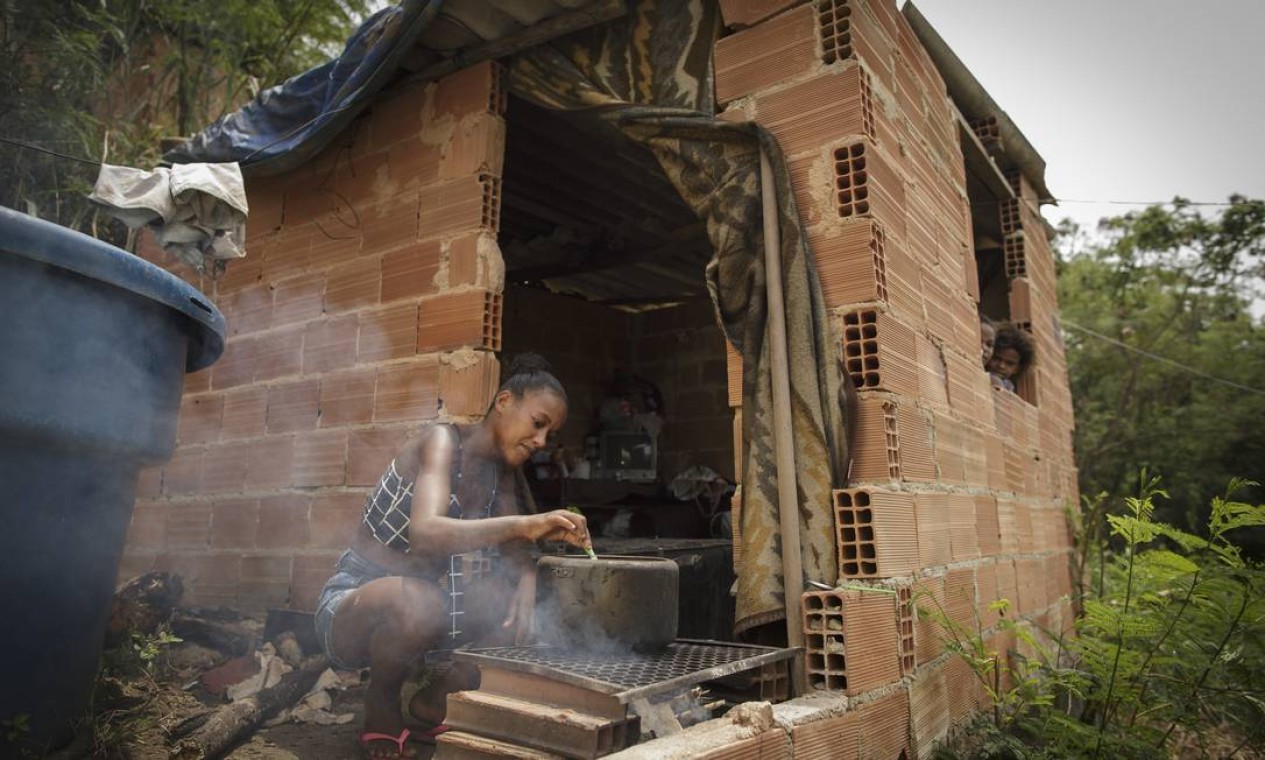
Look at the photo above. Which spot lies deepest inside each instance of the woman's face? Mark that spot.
(1005, 362)
(524, 424)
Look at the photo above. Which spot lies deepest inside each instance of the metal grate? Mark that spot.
(630, 675)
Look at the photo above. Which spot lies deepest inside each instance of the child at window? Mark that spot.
(987, 334)
(1013, 354)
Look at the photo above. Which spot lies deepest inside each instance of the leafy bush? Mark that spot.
(1170, 643)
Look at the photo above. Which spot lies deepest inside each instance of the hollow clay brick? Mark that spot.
(283, 522)
(346, 398)
(959, 596)
(188, 525)
(893, 442)
(779, 50)
(407, 392)
(474, 89)
(330, 344)
(876, 533)
(879, 352)
(824, 109)
(183, 472)
(245, 413)
(928, 711)
(298, 299)
(387, 333)
(962, 526)
(265, 581)
(477, 146)
(409, 273)
(468, 381)
(236, 365)
(271, 462)
(224, 469)
(247, 309)
(452, 207)
(320, 459)
(934, 540)
(334, 519)
(744, 13)
(986, 524)
(468, 319)
(390, 223)
(868, 620)
(293, 406)
(986, 594)
(369, 451)
(234, 523)
(200, 418)
(278, 353)
(353, 285)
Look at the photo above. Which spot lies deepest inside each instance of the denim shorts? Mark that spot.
(350, 573)
(353, 571)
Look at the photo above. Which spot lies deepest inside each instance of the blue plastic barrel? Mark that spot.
(94, 345)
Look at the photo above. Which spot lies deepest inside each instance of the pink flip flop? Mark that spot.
(399, 741)
(429, 735)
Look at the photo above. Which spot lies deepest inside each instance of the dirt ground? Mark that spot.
(305, 741)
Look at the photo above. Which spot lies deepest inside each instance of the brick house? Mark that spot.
(386, 280)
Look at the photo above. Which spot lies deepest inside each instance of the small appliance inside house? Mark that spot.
(605, 279)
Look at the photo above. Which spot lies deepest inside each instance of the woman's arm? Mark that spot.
(432, 533)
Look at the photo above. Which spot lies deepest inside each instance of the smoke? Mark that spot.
(565, 626)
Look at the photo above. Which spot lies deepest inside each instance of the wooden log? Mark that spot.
(232, 723)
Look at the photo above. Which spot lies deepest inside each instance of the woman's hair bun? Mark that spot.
(528, 363)
(530, 371)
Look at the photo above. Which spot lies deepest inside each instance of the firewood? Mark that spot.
(233, 723)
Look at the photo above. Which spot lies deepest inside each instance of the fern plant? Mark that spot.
(1170, 642)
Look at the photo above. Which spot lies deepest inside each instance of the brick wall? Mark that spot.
(369, 303)
(683, 351)
(958, 490)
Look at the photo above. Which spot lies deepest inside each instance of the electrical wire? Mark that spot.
(42, 149)
(1163, 359)
(1059, 201)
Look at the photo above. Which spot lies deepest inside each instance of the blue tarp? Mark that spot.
(288, 124)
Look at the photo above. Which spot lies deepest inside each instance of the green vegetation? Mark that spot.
(106, 80)
(1174, 283)
(1170, 647)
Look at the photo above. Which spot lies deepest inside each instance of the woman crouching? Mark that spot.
(451, 503)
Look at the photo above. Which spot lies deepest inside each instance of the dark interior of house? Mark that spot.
(605, 279)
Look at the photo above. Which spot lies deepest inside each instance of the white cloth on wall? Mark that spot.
(198, 211)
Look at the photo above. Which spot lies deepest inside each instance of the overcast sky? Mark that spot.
(1125, 99)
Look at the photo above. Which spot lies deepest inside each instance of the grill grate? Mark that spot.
(630, 675)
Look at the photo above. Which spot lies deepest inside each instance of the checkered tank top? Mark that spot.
(388, 512)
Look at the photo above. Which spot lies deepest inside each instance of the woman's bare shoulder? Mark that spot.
(432, 446)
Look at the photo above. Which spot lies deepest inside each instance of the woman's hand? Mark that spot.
(558, 525)
(522, 608)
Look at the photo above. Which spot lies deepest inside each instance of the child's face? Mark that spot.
(987, 334)
(1005, 363)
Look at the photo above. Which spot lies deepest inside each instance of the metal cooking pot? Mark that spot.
(608, 604)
